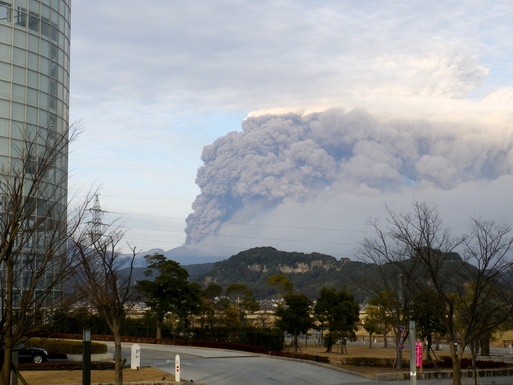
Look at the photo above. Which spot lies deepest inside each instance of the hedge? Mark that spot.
(63, 346)
(444, 362)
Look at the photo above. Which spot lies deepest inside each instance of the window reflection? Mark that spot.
(5, 11)
(45, 27)
(34, 21)
(20, 17)
(54, 56)
(55, 33)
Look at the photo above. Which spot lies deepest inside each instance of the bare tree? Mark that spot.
(486, 301)
(103, 277)
(34, 230)
(393, 286)
(474, 290)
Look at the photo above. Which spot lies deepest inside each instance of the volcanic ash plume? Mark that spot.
(295, 159)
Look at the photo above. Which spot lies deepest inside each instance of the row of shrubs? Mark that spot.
(270, 338)
(302, 356)
(369, 361)
(445, 362)
(64, 346)
(164, 341)
(66, 343)
(67, 365)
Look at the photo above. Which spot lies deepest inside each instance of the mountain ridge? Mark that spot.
(308, 272)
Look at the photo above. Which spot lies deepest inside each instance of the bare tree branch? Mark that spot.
(34, 231)
(475, 291)
(100, 280)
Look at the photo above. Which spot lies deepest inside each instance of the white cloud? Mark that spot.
(231, 54)
(154, 83)
(279, 170)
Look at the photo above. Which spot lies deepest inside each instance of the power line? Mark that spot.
(256, 238)
(242, 224)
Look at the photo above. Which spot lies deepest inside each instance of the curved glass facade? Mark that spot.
(34, 110)
(34, 65)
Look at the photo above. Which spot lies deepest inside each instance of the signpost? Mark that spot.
(135, 362)
(177, 368)
(413, 367)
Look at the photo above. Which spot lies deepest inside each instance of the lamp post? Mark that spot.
(86, 358)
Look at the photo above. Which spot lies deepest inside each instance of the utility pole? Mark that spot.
(413, 361)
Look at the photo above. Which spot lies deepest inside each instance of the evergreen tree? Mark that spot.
(341, 313)
(169, 292)
(294, 316)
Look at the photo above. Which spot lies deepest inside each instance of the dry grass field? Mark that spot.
(356, 350)
(59, 377)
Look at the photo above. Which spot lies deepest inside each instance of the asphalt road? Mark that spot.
(224, 367)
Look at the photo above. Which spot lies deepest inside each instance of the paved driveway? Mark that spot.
(227, 367)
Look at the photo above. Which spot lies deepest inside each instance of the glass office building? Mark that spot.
(34, 103)
(34, 65)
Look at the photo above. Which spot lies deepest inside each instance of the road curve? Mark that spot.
(228, 367)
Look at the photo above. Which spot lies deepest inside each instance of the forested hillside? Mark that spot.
(308, 272)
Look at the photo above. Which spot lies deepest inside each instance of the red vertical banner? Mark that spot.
(418, 353)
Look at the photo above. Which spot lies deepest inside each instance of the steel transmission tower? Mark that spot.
(96, 221)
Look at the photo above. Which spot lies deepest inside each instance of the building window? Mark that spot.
(34, 21)
(5, 12)
(20, 17)
(54, 32)
(31, 166)
(54, 56)
(51, 122)
(45, 27)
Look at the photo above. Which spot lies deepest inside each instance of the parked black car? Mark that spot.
(31, 354)
(28, 354)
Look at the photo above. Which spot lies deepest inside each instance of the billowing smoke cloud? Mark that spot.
(308, 177)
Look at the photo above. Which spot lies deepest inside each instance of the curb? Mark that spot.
(105, 357)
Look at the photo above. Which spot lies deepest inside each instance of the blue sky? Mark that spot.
(153, 84)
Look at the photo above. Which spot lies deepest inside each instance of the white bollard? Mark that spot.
(177, 368)
(135, 362)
